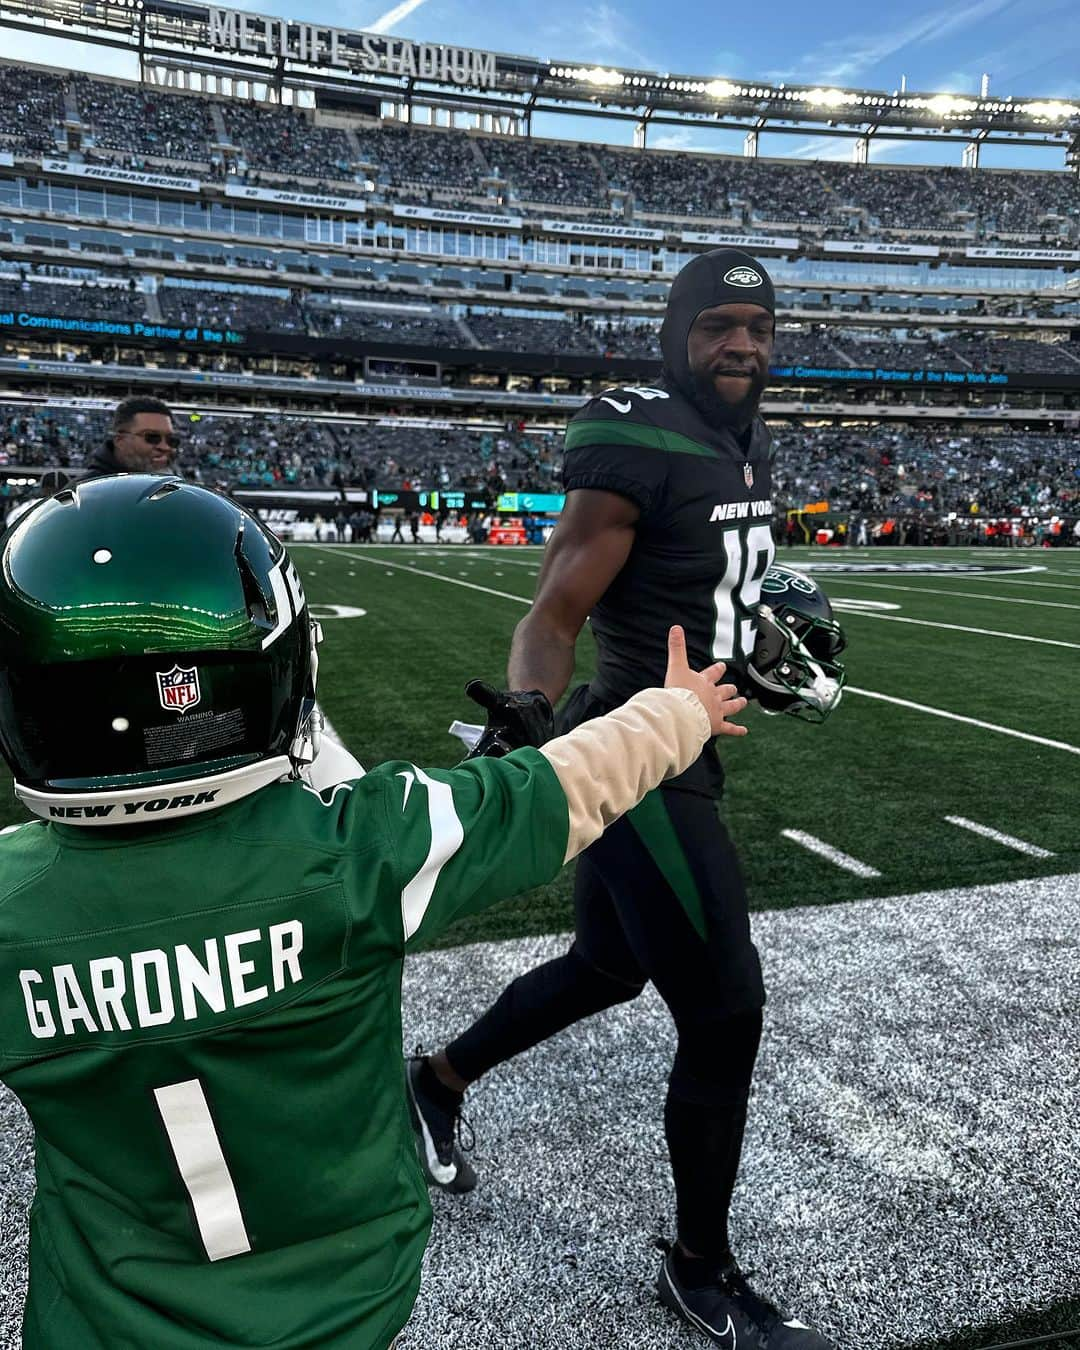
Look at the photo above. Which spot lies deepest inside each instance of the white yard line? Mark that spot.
(1009, 840)
(960, 628)
(434, 576)
(971, 721)
(833, 855)
(967, 595)
(1013, 581)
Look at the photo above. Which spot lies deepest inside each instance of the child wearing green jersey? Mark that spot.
(201, 952)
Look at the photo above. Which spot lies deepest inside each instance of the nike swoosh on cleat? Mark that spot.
(700, 1322)
(443, 1173)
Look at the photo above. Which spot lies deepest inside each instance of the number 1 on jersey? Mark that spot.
(193, 1138)
(747, 559)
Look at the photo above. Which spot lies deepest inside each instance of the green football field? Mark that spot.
(999, 651)
(406, 626)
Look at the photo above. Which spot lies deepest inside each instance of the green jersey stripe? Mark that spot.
(607, 431)
(447, 836)
(652, 825)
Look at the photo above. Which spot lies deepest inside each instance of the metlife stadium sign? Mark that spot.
(235, 30)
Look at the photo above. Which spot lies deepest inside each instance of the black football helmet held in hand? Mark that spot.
(794, 668)
(515, 717)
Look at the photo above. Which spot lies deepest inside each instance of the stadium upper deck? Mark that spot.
(335, 243)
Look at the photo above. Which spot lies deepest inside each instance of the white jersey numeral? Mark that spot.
(193, 1138)
(747, 558)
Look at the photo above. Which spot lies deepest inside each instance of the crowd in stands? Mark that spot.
(873, 470)
(835, 198)
(119, 303)
(443, 159)
(380, 325)
(284, 140)
(514, 333)
(558, 172)
(925, 470)
(80, 293)
(31, 109)
(218, 308)
(127, 118)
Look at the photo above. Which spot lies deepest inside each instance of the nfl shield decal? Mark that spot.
(748, 475)
(178, 689)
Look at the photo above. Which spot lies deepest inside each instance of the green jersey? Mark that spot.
(203, 1021)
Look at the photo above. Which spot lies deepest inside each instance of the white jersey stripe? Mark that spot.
(185, 1113)
(447, 836)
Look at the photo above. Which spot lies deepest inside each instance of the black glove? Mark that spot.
(515, 717)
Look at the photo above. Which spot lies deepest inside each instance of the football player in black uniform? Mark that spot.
(668, 517)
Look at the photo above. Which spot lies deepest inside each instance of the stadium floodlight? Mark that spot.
(721, 89)
(598, 75)
(1050, 112)
(947, 105)
(829, 98)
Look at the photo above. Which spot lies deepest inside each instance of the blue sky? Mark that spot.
(1028, 48)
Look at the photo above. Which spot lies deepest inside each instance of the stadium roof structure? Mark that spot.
(227, 43)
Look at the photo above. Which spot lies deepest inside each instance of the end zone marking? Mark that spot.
(971, 721)
(1009, 840)
(833, 855)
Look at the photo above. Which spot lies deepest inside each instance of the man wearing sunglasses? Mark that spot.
(141, 440)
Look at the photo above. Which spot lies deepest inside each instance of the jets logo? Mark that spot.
(775, 582)
(178, 689)
(742, 276)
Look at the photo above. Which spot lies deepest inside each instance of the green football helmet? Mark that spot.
(157, 658)
(794, 668)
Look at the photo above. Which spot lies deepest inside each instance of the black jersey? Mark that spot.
(702, 543)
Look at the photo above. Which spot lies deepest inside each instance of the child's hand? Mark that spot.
(721, 700)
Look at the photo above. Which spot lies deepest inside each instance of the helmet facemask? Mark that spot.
(794, 669)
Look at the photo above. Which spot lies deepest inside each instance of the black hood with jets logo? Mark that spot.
(723, 276)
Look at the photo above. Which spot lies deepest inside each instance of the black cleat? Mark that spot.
(732, 1315)
(437, 1132)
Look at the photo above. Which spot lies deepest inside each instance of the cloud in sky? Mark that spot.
(844, 60)
(600, 32)
(388, 21)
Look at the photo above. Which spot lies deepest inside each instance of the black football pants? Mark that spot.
(659, 897)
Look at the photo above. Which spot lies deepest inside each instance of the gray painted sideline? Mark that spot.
(911, 1159)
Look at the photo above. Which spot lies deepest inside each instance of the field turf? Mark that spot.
(875, 782)
(918, 1048)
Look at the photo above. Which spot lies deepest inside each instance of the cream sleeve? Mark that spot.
(606, 766)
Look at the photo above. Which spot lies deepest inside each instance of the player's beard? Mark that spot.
(719, 412)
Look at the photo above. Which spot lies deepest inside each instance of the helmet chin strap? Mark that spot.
(308, 741)
(825, 691)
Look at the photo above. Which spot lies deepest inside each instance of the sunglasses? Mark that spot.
(158, 438)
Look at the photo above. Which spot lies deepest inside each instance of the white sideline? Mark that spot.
(833, 855)
(1009, 840)
(957, 717)
(962, 628)
(845, 580)
(420, 572)
(851, 689)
